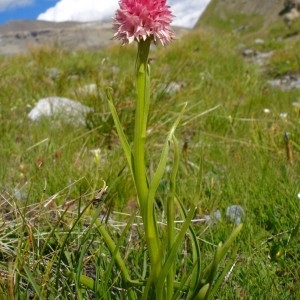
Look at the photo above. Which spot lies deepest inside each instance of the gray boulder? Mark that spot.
(60, 108)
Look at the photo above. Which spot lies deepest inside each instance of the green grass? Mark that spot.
(242, 152)
(224, 18)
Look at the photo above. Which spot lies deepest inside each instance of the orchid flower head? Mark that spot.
(141, 19)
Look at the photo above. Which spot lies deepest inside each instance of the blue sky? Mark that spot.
(22, 9)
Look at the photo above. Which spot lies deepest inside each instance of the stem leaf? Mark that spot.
(121, 134)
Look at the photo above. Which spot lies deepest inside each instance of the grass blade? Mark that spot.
(120, 131)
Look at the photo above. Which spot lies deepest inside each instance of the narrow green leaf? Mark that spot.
(87, 281)
(208, 274)
(220, 252)
(83, 249)
(203, 292)
(116, 252)
(119, 128)
(225, 272)
(64, 243)
(163, 161)
(33, 282)
(146, 290)
(171, 255)
(214, 266)
(149, 217)
(170, 217)
(184, 284)
(229, 241)
(113, 250)
(196, 271)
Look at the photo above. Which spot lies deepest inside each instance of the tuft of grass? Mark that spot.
(285, 61)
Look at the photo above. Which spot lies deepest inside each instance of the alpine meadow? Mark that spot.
(192, 194)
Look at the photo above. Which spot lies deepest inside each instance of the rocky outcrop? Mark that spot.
(19, 36)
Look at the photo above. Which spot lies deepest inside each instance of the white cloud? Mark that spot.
(186, 12)
(6, 4)
(80, 10)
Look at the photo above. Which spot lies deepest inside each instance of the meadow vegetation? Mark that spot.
(239, 135)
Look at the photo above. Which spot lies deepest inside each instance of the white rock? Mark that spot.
(213, 218)
(66, 109)
(259, 41)
(235, 214)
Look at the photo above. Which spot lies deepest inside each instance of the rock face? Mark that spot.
(19, 36)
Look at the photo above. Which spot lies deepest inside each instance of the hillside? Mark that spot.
(252, 15)
(21, 35)
(267, 10)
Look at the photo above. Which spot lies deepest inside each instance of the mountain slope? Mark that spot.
(254, 14)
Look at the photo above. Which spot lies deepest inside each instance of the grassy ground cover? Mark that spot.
(233, 133)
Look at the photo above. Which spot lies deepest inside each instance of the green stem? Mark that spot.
(139, 166)
(170, 218)
(141, 116)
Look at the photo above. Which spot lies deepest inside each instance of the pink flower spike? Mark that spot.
(142, 19)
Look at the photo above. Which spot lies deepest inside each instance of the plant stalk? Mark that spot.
(139, 166)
